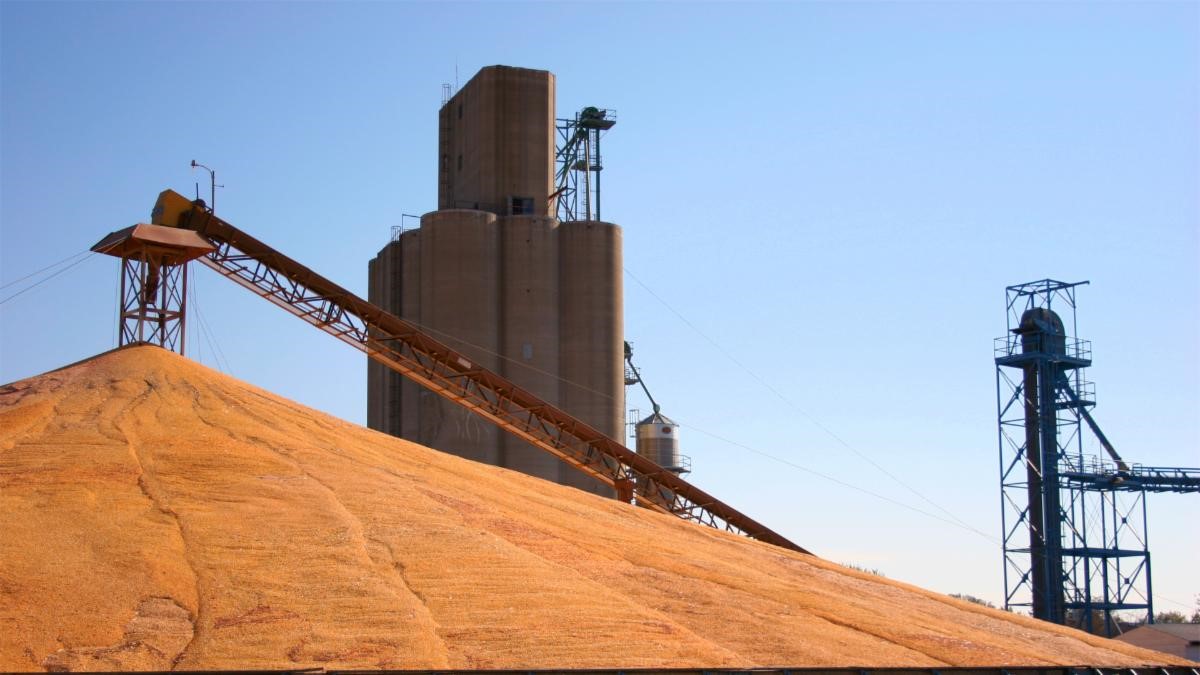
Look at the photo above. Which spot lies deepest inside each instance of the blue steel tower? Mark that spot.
(1075, 544)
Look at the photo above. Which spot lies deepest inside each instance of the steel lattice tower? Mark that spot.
(1075, 529)
(153, 282)
(578, 163)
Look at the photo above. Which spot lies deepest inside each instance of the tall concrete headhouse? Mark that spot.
(494, 274)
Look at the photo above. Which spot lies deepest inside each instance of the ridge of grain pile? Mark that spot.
(157, 514)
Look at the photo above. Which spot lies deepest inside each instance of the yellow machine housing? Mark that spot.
(169, 208)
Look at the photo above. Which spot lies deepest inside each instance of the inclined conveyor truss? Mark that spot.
(403, 347)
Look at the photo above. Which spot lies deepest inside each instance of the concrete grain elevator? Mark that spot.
(494, 274)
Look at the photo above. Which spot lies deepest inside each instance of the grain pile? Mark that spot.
(156, 514)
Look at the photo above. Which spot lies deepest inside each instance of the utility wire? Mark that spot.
(206, 333)
(214, 345)
(1174, 601)
(509, 359)
(48, 278)
(955, 522)
(795, 407)
(201, 336)
(47, 267)
(196, 342)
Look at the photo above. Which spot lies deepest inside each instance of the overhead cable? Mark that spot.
(795, 407)
(47, 267)
(48, 278)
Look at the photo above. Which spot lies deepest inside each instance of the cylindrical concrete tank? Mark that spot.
(529, 307)
(376, 401)
(384, 384)
(591, 326)
(410, 308)
(460, 306)
(658, 441)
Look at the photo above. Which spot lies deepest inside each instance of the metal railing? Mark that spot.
(1074, 348)
(404, 226)
(1099, 471)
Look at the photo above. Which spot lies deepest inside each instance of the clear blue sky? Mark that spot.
(835, 194)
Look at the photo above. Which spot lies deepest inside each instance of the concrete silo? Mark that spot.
(592, 342)
(494, 274)
(530, 325)
(460, 305)
(385, 288)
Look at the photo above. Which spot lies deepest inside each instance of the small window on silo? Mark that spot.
(520, 206)
(460, 111)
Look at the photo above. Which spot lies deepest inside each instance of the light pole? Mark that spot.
(212, 177)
